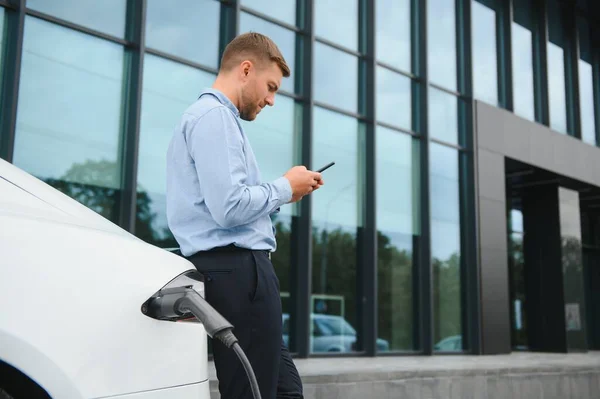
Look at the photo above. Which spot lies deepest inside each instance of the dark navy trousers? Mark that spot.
(242, 286)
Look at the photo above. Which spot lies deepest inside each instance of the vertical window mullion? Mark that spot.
(504, 18)
(368, 260)
(470, 315)
(540, 61)
(135, 30)
(11, 73)
(425, 268)
(302, 248)
(462, 47)
(230, 24)
(572, 55)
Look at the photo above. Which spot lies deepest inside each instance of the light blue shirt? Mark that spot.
(215, 196)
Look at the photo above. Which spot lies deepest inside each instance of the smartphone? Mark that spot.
(329, 165)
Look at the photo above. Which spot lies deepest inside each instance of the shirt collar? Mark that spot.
(223, 99)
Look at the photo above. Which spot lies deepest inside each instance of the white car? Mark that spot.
(72, 286)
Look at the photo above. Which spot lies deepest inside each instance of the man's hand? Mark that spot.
(303, 181)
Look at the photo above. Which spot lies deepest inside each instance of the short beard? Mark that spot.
(246, 112)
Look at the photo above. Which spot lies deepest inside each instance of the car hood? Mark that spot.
(27, 196)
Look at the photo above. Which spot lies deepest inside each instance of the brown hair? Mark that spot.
(255, 47)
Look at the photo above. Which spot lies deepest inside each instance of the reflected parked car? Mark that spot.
(449, 344)
(331, 333)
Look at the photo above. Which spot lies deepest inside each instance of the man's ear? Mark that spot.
(246, 67)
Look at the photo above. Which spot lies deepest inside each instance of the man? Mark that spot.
(219, 211)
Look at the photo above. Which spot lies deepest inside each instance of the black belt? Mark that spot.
(233, 248)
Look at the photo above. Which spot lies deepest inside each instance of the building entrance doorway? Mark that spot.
(554, 280)
(590, 222)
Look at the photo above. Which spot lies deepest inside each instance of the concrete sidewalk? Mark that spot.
(518, 375)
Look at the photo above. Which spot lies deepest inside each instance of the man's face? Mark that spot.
(259, 90)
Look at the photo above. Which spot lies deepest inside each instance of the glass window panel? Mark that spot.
(283, 10)
(394, 98)
(522, 61)
(337, 22)
(557, 96)
(485, 63)
(445, 247)
(163, 102)
(393, 33)
(518, 297)
(586, 84)
(444, 193)
(516, 221)
(398, 235)
(441, 30)
(334, 85)
(285, 40)
(336, 219)
(80, 79)
(443, 116)
(189, 30)
(272, 136)
(586, 97)
(106, 16)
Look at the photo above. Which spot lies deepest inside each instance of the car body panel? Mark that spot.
(199, 390)
(71, 287)
(71, 210)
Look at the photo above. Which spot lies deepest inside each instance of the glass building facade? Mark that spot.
(383, 259)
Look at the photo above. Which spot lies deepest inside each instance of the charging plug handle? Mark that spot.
(216, 326)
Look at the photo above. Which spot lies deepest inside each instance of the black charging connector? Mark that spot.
(175, 303)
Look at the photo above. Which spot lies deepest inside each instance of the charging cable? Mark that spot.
(177, 302)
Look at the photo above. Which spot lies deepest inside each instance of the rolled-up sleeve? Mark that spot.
(216, 146)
